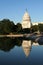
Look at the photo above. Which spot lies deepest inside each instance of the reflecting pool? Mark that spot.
(18, 51)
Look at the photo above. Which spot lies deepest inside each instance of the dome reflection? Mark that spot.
(26, 45)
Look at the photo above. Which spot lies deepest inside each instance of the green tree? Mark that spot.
(40, 27)
(34, 28)
(19, 27)
(6, 26)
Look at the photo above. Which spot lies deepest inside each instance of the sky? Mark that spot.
(15, 9)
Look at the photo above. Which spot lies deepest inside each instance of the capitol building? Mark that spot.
(26, 21)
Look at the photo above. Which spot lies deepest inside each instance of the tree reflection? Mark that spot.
(6, 44)
(40, 41)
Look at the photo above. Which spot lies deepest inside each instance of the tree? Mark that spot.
(6, 26)
(40, 27)
(19, 27)
(26, 30)
(34, 28)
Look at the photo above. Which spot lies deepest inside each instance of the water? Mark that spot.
(20, 52)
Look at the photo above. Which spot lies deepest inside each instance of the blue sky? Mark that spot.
(14, 10)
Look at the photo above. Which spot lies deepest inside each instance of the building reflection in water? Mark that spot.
(35, 44)
(26, 45)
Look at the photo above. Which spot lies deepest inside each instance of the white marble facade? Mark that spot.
(26, 22)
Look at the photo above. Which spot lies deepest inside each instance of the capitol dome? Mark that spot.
(26, 16)
(26, 22)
